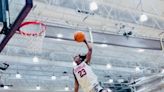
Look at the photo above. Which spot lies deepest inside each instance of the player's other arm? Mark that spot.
(76, 84)
(89, 54)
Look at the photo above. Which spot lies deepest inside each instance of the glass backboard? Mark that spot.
(15, 11)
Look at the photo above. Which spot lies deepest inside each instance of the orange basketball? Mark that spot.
(79, 36)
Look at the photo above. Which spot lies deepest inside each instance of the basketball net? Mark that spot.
(32, 36)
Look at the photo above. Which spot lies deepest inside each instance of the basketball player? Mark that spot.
(84, 75)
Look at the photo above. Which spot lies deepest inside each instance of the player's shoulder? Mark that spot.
(86, 63)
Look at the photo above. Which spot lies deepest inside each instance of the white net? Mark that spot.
(32, 43)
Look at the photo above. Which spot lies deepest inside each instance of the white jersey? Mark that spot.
(85, 76)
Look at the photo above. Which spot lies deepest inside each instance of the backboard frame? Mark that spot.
(12, 30)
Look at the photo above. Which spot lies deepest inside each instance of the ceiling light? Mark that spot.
(141, 50)
(93, 6)
(137, 69)
(143, 18)
(6, 87)
(108, 66)
(58, 39)
(120, 80)
(104, 45)
(162, 71)
(66, 88)
(59, 35)
(35, 59)
(110, 81)
(37, 87)
(18, 76)
(53, 77)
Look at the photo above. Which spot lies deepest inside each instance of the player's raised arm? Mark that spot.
(89, 54)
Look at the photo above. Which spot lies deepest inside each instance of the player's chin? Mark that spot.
(77, 62)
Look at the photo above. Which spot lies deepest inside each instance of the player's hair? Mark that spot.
(83, 57)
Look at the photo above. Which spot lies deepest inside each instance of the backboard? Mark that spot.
(3, 8)
(12, 14)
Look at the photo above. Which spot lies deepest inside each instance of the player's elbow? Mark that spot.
(90, 49)
(89, 53)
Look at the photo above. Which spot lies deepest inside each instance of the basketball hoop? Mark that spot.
(32, 33)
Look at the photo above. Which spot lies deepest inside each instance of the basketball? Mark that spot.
(79, 36)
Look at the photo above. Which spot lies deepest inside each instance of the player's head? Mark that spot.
(79, 58)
